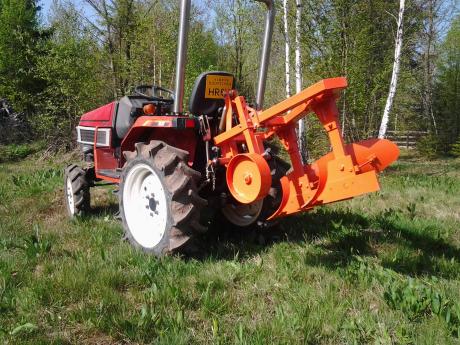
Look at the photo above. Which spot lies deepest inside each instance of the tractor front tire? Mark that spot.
(76, 191)
(159, 203)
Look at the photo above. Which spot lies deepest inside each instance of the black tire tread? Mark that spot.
(181, 182)
(80, 188)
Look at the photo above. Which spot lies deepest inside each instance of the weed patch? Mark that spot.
(35, 246)
(14, 152)
(415, 298)
(38, 182)
(383, 268)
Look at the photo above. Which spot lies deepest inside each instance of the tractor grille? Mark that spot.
(86, 136)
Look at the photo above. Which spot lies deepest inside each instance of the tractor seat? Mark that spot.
(126, 111)
(208, 92)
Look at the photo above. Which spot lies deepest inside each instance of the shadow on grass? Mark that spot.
(225, 241)
(108, 209)
(337, 236)
(426, 254)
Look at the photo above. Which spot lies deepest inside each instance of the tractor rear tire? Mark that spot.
(159, 203)
(76, 191)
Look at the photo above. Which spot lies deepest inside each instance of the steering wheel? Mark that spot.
(140, 91)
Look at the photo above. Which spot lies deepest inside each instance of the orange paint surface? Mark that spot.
(347, 171)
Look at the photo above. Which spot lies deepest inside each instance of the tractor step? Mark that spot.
(111, 173)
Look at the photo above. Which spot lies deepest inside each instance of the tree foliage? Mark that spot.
(71, 69)
(20, 38)
(81, 59)
(447, 89)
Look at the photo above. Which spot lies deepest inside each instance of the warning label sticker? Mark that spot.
(216, 85)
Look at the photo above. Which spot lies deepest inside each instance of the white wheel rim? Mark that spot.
(69, 192)
(145, 205)
(243, 215)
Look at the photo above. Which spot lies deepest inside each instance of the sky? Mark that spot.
(46, 4)
(450, 7)
(81, 5)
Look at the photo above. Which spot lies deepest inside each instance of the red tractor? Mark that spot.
(170, 165)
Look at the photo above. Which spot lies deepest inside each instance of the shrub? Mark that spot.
(455, 148)
(429, 146)
(16, 152)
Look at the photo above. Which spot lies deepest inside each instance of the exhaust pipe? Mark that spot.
(182, 54)
(184, 24)
(265, 53)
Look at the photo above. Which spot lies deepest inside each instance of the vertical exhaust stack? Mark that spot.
(265, 53)
(184, 24)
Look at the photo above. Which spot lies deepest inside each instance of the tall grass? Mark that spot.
(384, 268)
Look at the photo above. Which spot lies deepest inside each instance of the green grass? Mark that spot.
(382, 269)
(16, 152)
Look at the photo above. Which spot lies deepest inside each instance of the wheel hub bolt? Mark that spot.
(153, 204)
(248, 179)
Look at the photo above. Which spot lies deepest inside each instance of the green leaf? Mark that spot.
(27, 327)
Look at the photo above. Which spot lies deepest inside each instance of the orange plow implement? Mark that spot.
(345, 172)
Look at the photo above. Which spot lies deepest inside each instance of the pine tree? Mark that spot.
(20, 44)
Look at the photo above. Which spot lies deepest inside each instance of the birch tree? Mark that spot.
(298, 56)
(298, 79)
(287, 49)
(395, 74)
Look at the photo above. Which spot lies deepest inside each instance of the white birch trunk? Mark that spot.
(298, 80)
(395, 74)
(287, 49)
(298, 57)
(154, 65)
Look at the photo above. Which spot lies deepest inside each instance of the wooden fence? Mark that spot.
(405, 139)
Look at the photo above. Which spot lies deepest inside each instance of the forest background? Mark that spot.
(76, 57)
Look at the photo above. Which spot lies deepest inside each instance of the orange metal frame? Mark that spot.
(347, 171)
